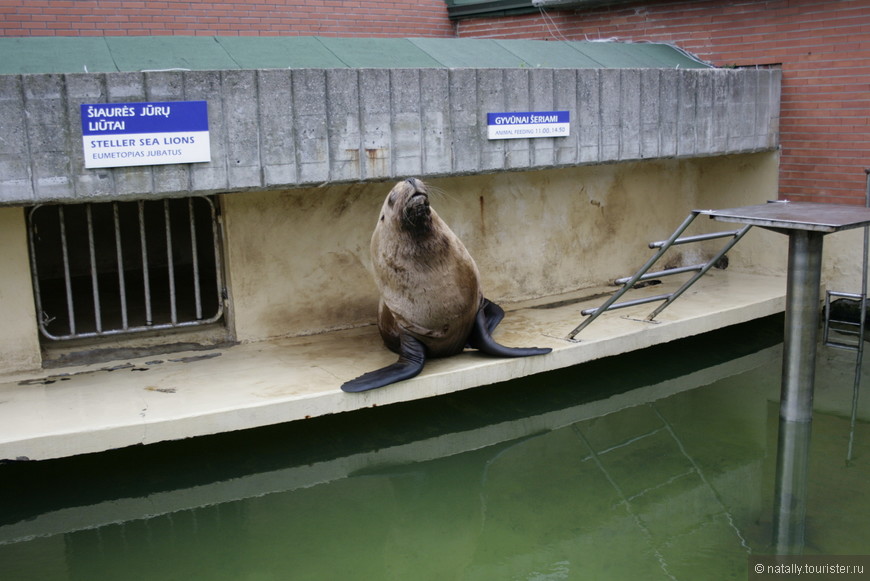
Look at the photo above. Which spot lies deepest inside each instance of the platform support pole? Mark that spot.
(796, 399)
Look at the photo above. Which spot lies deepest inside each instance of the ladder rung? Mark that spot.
(847, 323)
(697, 238)
(622, 305)
(667, 272)
(857, 296)
(839, 345)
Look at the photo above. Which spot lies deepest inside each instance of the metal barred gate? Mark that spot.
(113, 268)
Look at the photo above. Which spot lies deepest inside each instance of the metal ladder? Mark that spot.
(857, 334)
(642, 274)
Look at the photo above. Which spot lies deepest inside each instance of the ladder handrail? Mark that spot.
(676, 294)
(631, 303)
(680, 229)
(661, 273)
(862, 320)
(663, 246)
(696, 238)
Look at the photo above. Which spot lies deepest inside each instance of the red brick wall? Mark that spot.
(822, 45)
(387, 18)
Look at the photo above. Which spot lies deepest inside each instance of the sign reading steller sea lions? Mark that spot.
(154, 133)
(528, 124)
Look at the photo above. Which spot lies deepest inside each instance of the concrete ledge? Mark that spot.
(293, 477)
(101, 407)
(274, 128)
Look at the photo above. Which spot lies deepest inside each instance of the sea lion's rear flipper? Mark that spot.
(488, 316)
(493, 314)
(412, 356)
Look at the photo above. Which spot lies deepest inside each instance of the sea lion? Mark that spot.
(431, 303)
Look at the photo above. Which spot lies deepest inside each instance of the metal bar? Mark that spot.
(676, 294)
(122, 284)
(856, 387)
(682, 227)
(151, 327)
(37, 293)
(660, 273)
(136, 329)
(66, 273)
(170, 263)
(218, 266)
(826, 337)
(796, 407)
(843, 345)
(98, 317)
(631, 303)
(194, 254)
(199, 267)
(854, 333)
(696, 238)
(146, 277)
(856, 296)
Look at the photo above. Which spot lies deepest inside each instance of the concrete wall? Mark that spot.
(298, 259)
(19, 343)
(273, 129)
(297, 255)
(842, 259)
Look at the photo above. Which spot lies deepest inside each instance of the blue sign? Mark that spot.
(528, 124)
(153, 133)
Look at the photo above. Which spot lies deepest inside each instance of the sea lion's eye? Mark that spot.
(392, 199)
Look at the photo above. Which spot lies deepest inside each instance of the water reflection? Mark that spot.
(593, 475)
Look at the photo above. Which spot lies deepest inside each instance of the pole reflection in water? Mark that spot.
(790, 506)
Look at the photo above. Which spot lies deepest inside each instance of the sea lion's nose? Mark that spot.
(418, 187)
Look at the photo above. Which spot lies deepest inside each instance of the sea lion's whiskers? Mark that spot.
(439, 193)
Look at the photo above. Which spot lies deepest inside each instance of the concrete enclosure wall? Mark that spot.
(298, 259)
(19, 343)
(274, 129)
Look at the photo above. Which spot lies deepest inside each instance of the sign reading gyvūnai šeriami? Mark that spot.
(128, 134)
(528, 124)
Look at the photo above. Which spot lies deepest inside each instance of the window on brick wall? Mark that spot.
(457, 9)
(471, 8)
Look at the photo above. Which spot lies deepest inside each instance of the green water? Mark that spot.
(654, 465)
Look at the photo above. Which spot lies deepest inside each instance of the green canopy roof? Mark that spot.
(144, 53)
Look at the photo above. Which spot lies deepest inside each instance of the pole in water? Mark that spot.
(798, 374)
(856, 386)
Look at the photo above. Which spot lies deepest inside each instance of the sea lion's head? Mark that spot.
(407, 206)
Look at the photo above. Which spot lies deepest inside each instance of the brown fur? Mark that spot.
(429, 284)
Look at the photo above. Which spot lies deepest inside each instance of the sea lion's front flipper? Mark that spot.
(412, 356)
(481, 337)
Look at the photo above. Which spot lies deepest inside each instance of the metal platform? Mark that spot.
(788, 216)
